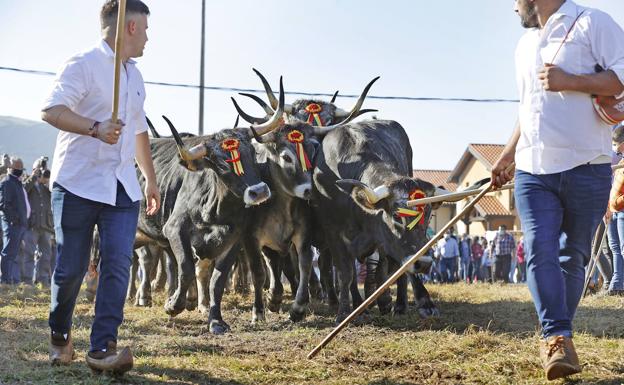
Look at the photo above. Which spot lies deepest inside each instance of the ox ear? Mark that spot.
(371, 200)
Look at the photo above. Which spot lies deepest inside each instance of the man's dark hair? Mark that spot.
(618, 134)
(46, 174)
(108, 14)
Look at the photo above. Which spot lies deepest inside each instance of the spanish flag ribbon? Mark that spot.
(418, 214)
(296, 137)
(232, 146)
(313, 110)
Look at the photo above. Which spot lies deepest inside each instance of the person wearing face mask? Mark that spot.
(14, 212)
(615, 213)
(37, 238)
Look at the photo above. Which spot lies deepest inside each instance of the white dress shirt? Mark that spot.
(561, 130)
(86, 166)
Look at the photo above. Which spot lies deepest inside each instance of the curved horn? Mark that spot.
(267, 88)
(355, 111)
(276, 119)
(265, 107)
(365, 111)
(333, 99)
(196, 152)
(236, 122)
(155, 133)
(247, 117)
(267, 138)
(340, 114)
(372, 196)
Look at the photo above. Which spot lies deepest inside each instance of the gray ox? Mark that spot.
(204, 204)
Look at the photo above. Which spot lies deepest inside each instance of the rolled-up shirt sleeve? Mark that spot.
(607, 43)
(70, 85)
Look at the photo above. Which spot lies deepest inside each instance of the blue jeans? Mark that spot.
(447, 269)
(571, 202)
(11, 240)
(74, 221)
(616, 241)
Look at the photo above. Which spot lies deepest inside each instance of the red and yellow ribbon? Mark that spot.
(296, 137)
(232, 146)
(418, 214)
(313, 110)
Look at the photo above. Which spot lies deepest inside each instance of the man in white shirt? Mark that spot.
(95, 183)
(562, 157)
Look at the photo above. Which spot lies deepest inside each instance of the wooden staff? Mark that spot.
(599, 239)
(452, 197)
(121, 23)
(486, 189)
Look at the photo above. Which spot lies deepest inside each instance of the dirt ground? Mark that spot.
(486, 334)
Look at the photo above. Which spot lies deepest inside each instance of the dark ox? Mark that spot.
(358, 219)
(204, 205)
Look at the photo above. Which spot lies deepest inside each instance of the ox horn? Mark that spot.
(236, 121)
(187, 156)
(155, 133)
(246, 116)
(267, 88)
(276, 119)
(372, 195)
(333, 99)
(269, 111)
(355, 111)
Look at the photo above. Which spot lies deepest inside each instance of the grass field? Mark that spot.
(485, 335)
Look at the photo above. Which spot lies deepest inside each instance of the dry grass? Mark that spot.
(485, 335)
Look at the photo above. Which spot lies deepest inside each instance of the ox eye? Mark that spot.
(286, 158)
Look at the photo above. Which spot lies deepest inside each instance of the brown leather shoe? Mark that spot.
(559, 357)
(110, 360)
(61, 349)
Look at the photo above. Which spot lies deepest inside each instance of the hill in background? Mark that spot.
(27, 139)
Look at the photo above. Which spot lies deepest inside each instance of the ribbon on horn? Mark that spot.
(313, 110)
(232, 146)
(418, 214)
(296, 137)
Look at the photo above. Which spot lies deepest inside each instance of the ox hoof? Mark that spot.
(385, 309)
(297, 314)
(191, 305)
(274, 305)
(173, 308)
(203, 309)
(257, 317)
(362, 319)
(144, 302)
(399, 310)
(219, 327)
(428, 311)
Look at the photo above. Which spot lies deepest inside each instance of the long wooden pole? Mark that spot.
(121, 23)
(452, 197)
(406, 266)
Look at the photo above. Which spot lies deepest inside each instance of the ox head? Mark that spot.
(403, 230)
(314, 112)
(230, 154)
(290, 152)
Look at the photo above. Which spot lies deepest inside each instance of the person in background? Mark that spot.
(504, 248)
(615, 213)
(487, 261)
(448, 250)
(464, 257)
(14, 213)
(474, 273)
(521, 277)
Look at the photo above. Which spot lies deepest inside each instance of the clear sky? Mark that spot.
(458, 48)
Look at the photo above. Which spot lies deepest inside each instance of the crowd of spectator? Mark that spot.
(27, 228)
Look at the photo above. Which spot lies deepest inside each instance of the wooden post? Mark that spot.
(121, 25)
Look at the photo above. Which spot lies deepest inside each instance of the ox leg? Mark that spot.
(327, 277)
(344, 267)
(134, 268)
(291, 275)
(171, 268)
(316, 292)
(276, 289)
(380, 274)
(186, 274)
(258, 274)
(301, 252)
(426, 307)
(241, 274)
(191, 294)
(356, 297)
(146, 262)
(203, 270)
(223, 266)
(159, 282)
(400, 305)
